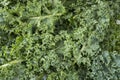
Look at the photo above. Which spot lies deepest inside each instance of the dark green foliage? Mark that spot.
(59, 40)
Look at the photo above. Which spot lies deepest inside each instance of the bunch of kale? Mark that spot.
(59, 40)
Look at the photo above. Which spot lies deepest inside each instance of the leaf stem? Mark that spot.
(10, 63)
(48, 16)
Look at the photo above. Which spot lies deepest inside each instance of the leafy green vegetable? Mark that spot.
(59, 40)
